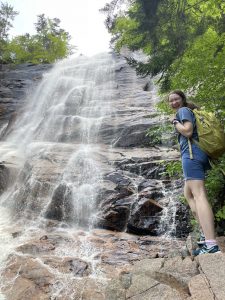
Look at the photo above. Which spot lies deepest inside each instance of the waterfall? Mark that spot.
(77, 160)
(55, 142)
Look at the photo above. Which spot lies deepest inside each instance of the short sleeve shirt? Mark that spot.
(185, 114)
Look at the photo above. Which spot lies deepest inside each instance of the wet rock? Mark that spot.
(114, 219)
(4, 178)
(14, 83)
(144, 217)
(30, 279)
(61, 207)
(150, 192)
(118, 178)
(155, 172)
(36, 247)
(77, 267)
(182, 220)
(150, 184)
(16, 234)
(92, 289)
(134, 135)
(5, 92)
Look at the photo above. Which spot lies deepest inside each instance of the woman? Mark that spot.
(194, 170)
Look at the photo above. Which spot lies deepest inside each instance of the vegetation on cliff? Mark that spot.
(49, 44)
(184, 42)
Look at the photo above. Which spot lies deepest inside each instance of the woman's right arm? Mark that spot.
(186, 129)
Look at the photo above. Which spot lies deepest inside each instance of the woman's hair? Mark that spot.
(184, 99)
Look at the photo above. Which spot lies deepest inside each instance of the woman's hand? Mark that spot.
(186, 129)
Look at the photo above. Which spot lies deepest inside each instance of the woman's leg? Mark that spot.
(203, 208)
(191, 201)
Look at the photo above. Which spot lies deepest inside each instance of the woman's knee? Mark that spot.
(187, 193)
(197, 188)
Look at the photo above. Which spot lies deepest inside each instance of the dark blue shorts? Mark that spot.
(195, 169)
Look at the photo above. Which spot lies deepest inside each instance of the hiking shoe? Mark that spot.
(201, 241)
(204, 250)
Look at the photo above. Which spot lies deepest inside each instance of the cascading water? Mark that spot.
(65, 176)
(66, 113)
(54, 148)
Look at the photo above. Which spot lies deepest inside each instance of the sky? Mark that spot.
(81, 18)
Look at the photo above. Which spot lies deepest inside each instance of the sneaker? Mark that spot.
(201, 241)
(204, 250)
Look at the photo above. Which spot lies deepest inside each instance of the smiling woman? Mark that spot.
(81, 18)
(195, 163)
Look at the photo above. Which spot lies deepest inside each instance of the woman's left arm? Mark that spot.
(186, 129)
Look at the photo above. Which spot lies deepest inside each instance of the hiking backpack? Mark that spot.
(210, 133)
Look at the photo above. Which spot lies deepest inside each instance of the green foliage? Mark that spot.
(163, 106)
(184, 42)
(173, 169)
(49, 44)
(220, 214)
(182, 199)
(185, 46)
(155, 133)
(207, 81)
(215, 185)
(7, 15)
(26, 48)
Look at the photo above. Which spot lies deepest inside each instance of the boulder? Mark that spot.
(144, 217)
(61, 206)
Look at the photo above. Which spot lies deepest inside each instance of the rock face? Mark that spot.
(126, 267)
(15, 82)
(105, 223)
(132, 194)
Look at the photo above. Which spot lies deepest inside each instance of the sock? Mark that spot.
(210, 243)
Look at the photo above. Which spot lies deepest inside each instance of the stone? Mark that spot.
(4, 178)
(199, 288)
(212, 266)
(31, 279)
(181, 270)
(36, 247)
(60, 207)
(114, 219)
(77, 267)
(5, 92)
(115, 291)
(144, 217)
(96, 264)
(147, 266)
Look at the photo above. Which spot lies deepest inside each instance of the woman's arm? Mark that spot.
(185, 129)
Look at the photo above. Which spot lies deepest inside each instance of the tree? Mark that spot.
(183, 40)
(49, 44)
(7, 14)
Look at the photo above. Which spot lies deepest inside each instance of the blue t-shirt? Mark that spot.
(185, 114)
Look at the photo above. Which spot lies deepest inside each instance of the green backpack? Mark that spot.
(210, 133)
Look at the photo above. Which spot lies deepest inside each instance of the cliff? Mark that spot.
(136, 246)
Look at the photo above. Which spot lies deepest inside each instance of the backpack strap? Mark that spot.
(190, 149)
(190, 139)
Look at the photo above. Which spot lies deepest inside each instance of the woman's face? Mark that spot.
(175, 101)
